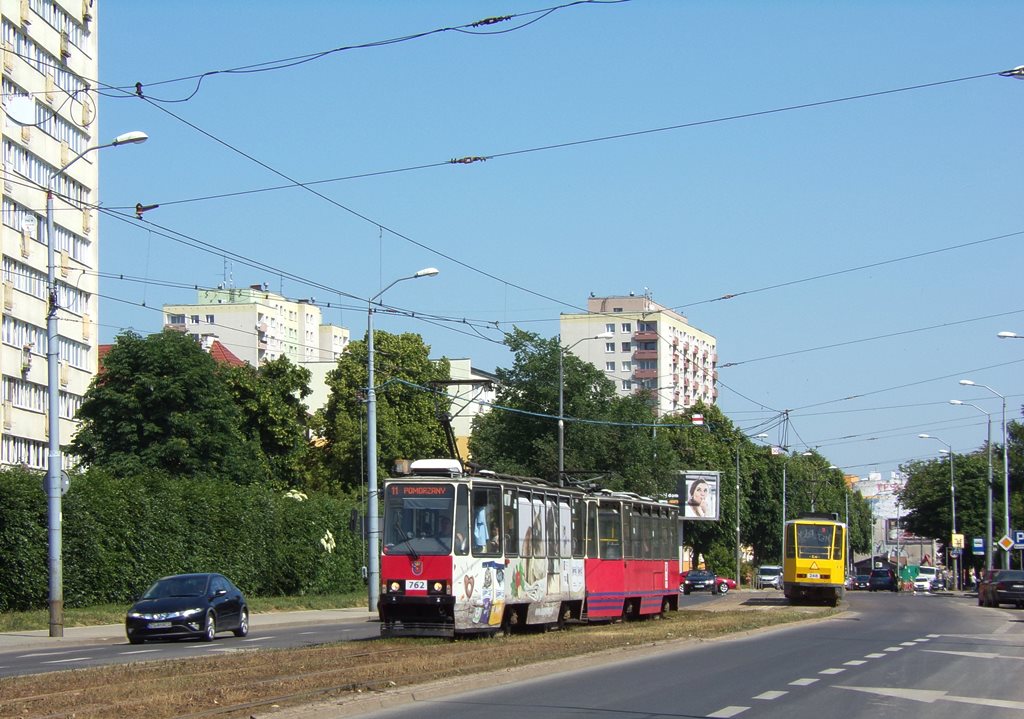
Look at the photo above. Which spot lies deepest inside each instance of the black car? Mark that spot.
(1005, 586)
(861, 581)
(883, 579)
(188, 605)
(699, 580)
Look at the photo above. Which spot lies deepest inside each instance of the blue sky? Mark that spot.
(873, 244)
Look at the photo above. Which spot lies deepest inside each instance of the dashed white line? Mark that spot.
(908, 644)
(257, 639)
(45, 654)
(69, 659)
(893, 649)
(138, 651)
(854, 663)
(807, 681)
(874, 655)
(768, 696)
(832, 670)
(726, 712)
(923, 639)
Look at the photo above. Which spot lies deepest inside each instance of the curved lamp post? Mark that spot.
(952, 498)
(54, 529)
(1006, 459)
(372, 526)
(561, 395)
(988, 522)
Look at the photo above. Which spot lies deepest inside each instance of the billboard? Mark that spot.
(698, 494)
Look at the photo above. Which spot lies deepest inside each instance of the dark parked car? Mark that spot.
(1004, 586)
(883, 579)
(861, 581)
(699, 580)
(188, 605)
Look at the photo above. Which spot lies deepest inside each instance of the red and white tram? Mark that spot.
(481, 553)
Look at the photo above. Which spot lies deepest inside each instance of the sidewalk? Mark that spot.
(114, 633)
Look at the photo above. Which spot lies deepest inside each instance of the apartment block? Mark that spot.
(257, 325)
(649, 349)
(49, 120)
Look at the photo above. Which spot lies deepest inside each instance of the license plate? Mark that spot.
(814, 576)
(416, 584)
(1017, 587)
(159, 625)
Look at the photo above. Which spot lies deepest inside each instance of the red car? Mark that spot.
(722, 584)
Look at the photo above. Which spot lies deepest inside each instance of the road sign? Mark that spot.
(958, 541)
(1018, 538)
(978, 545)
(1006, 543)
(954, 552)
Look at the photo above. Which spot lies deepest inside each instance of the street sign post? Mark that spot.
(1018, 538)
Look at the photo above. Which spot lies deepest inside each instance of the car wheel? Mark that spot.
(211, 628)
(723, 588)
(243, 624)
(135, 640)
(686, 590)
(980, 604)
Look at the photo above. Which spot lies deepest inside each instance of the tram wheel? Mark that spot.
(510, 621)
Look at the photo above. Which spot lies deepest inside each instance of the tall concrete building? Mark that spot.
(651, 349)
(258, 325)
(49, 112)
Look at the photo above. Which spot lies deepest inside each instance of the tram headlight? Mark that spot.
(394, 587)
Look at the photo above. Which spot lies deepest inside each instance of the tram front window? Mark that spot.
(418, 518)
(814, 541)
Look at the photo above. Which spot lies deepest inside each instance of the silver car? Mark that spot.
(769, 575)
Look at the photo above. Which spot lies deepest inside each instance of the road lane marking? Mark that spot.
(933, 636)
(922, 639)
(854, 663)
(803, 682)
(975, 655)
(69, 659)
(768, 696)
(930, 696)
(47, 654)
(726, 712)
(908, 644)
(893, 649)
(257, 639)
(138, 651)
(832, 670)
(874, 655)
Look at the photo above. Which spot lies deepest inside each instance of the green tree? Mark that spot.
(927, 500)
(407, 411)
(274, 416)
(161, 402)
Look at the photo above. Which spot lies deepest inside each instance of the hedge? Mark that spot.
(122, 533)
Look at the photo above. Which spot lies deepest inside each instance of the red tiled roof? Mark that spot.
(222, 354)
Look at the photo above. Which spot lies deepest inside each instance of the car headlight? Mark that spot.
(160, 616)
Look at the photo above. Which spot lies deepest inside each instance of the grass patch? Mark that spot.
(114, 613)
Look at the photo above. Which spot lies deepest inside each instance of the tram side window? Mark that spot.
(486, 521)
(592, 536)
(564, 528)
(578, 526)
(790, 541)
(628, 532)
(661, 532)
(551, 535)
(511, 527)
(537, 527)
(647, 529)
(838, 544)
(610, 527)
(461, 545)
(525, 515)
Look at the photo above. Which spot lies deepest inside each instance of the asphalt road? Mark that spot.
(888, 656)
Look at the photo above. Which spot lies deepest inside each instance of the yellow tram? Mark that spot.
(814, 564)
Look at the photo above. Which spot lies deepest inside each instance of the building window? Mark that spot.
(625, 346)
(609, 366)
(609, 346)
(209, 319)
(627, 384)
(176, 319)
(627, 366)
(610, 327)
(627, 327)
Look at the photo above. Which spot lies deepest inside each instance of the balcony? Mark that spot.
(645, 354)
(645, 336)
(645, 374)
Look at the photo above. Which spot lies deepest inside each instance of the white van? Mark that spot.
(925, 577)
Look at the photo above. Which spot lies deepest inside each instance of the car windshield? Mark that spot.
(770, 571)
(1010, 575)
(194, 586)
(879, 572)
(700, 574)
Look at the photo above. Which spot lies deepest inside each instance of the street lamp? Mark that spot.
(846, 501)
(53, 467)
(561, 395)
(952, 499)
(373, 530)
(1006, 461)
(988, 522)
